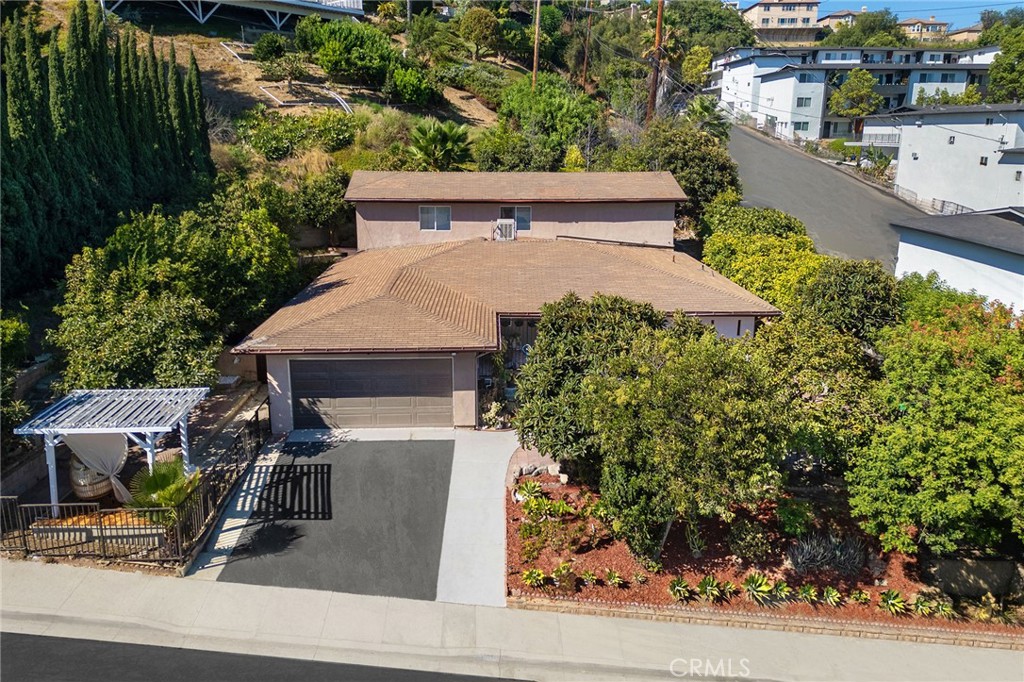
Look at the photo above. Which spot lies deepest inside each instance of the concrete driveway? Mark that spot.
(418, 514)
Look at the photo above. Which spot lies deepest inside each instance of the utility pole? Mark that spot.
(586, 46)
(536, 43)
(408, 21)
(652, 97)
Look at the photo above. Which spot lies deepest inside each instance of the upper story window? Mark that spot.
(523, 215)
(435, 218)
(806, 20)
(766, 21)
(804, 78)
(789, 8)
(803, 101)
(947, 78)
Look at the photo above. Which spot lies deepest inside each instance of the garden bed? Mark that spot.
(585, 543)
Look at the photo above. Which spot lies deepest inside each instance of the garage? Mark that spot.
(340, 394)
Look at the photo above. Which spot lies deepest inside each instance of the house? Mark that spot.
(401, 209)
(844, 17)
(783, 21)
(925, 29)
(983, 251)
(954, 159)
(785, 91)
(404, 334)
(965, 35)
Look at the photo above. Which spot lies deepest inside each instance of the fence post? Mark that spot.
(100, 516)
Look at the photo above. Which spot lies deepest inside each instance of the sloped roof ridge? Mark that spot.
(442, 301)
(631, 256)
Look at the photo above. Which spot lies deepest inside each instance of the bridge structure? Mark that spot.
(277, 11)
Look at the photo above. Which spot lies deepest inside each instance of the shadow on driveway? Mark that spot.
(358, 517)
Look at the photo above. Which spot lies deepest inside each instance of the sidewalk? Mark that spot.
(84, 603)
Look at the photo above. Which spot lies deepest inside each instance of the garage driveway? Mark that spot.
(417, 513)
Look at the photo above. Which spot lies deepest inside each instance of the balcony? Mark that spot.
(876, 139)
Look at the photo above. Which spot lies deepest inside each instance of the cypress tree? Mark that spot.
(197, 104)
(176, 112)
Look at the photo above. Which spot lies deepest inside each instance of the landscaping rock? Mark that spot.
(563, 478)
(554, 469)
(528, 470)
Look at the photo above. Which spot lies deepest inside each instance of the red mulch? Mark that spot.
(894, 571)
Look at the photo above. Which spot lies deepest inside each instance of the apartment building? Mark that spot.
(925, 29)
(843, 17)
(786, 90)
(783, 21)
(954, 159)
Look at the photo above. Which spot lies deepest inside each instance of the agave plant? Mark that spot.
(781, 590)
(533, 577)
(860, 597)
(529, 489)
(680, 589)
(831, 596)
(709, 589)
(729, 590)
(893, 602)
(758, 588)
(944, 609)
(922, 606)
(808, 594)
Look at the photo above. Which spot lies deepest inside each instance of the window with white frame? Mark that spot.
(523, 215)
(802, 102)
(436, 218)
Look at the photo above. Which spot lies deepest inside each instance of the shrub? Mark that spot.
(748, 540)
(269, 47)
(588, 577)
(410, 85)
(614, 579)
(680, 589)
(820, 552)
(860, 597)
(944, 609)
(838, 146)
(530, 529)
(758, 588)
(486, 82)
(278, 136)
(534, 577)
(795, 516)
(893, 602)
(857, 297)
(709, 589)
(532, 548)
(334, 130)
(563, 575)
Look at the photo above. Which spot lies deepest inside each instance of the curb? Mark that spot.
(813, 626)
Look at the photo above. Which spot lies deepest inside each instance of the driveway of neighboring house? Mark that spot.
(844, 216)
(415, 513)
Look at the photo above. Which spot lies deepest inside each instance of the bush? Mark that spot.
(269, 47)
(724, 214)
(857, 297)
(893, 602)
(817, 552)
(534, 578)
(278, 136)
(484, 81)
(411, 86)
(748, 540)
(838, 146)
(795, 516)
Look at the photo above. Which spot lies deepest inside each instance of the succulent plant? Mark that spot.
(758, 588)
(893, 602)
(680, 589)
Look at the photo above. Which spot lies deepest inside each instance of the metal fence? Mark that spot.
(153, 534)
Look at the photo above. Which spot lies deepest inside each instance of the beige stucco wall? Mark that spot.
(382, 224)
(464, 382)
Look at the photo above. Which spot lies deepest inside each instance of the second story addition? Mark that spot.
(402, 209)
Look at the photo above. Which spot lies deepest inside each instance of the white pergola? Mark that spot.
(141, 414)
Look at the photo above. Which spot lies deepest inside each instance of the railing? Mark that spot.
(933, 206)
(877, 138)
(153, 534)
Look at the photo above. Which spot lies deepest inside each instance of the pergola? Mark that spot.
(142, 415)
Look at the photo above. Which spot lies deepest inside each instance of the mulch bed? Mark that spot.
(882, 572)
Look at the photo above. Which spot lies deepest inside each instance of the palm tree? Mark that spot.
(703, 113)
(440, 146)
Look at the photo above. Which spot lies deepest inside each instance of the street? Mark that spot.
(844, 217)
(49, 659)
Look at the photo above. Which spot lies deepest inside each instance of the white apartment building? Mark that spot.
(955, 159)
(786, 90)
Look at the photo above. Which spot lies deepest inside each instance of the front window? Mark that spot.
(436, 218)
(523, 215)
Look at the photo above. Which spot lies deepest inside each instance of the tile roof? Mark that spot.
(494, 187)
(448, 296)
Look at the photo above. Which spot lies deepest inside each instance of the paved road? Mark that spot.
(844, 216)
(50, 659)
(357, 517)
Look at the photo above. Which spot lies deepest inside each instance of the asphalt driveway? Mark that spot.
(365, 517)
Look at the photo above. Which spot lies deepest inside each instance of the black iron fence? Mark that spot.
(153, 534)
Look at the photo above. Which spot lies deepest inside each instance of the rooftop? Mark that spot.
(513, 187)
(1001, 229)
(951, 109)
(448, 296)
(931, 21)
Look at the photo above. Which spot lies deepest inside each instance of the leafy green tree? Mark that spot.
(970, 95)
(269, 47)
(769, 266)
(574, 337)
(696, 414)
(926, 298)
(857, 297)
(440, 146)
(870, 29)
(1006, 74)
(321, 205)
(946, 473)
(502, 148)
(702, 113)
(479, 27)
(856, 97)
(554, 109)
(696, 63)
(430, 39)
(695, 158)
(709, 23)
(823, 374)
(14, 335)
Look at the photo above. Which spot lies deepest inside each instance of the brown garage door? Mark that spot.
(337, 394)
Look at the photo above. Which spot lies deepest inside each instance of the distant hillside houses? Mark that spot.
(785, 90)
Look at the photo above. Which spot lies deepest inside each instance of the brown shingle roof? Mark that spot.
(494, 187)
(448, 296)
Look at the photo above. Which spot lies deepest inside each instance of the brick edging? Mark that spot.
(755, 621)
